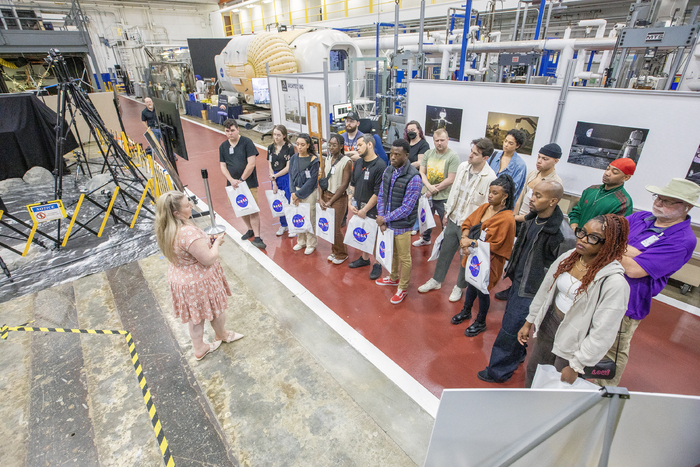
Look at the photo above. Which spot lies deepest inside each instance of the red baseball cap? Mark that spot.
(627, 166)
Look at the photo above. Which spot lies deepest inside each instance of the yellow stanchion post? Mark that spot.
(31, 237)
(109, 210)
(149, 185)
(170, 183)
(72, 219)
(153, 175)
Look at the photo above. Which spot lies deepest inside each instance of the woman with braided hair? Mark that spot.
(579, 306)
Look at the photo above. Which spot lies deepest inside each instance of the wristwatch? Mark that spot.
(273, 178)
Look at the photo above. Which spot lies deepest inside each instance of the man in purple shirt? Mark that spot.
(397, 208)
(660, 243)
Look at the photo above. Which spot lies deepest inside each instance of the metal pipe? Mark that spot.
(540, 15)
(213, 229)
(327, 101)
(522, 46)
(396, 28)
(530, 441)
(549, 15)
(421, 73)
(562, 100)
(614, 408)
(465, 41)
(693, 16)
(522, 29)
(515, 24)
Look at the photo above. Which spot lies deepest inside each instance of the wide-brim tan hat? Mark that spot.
(679, 188)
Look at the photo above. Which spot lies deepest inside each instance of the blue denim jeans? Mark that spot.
(507, 352)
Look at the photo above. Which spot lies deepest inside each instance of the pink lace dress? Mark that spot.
(198, 292)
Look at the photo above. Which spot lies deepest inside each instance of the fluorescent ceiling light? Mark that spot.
(252, 5)
(236, 10)
(267, 1)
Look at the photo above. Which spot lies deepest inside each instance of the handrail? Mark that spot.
(246, 24)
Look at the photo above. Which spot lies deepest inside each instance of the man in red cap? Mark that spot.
(608, 198)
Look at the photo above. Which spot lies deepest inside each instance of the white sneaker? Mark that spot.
(309, 250)
(421, 242)
(292, 235)
(281, 231)
(432, 284)
(414, 232)
(456, 294)
(298, 247)
(331, 257)
(339, 261)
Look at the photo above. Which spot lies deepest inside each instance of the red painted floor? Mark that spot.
(417, 334)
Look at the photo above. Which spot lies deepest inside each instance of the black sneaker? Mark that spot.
(359, 263)
(259, 243)
(376, 271)
(502, 295)
(247, 235)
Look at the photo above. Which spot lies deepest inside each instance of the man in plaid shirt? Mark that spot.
(397, 207)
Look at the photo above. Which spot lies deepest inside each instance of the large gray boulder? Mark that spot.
(11, 184)
(38, 176)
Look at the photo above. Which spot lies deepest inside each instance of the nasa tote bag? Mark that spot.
(299, 218)
(242, 200)
(325, 223)
(277, 202)
(385, 248)
(361, 234)
(479, 266)
(425, 215)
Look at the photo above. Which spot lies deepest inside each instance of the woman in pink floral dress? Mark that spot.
(197, 283)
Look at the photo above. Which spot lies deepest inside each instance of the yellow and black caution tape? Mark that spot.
(160, 435)
(150, 406)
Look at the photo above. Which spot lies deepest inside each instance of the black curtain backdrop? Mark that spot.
(27, 135)
(202, 53)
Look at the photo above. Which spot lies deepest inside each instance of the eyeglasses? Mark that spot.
(591, 239)
(665, 202)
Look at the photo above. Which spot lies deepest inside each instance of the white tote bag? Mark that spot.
(277, 202)
(299, 218)
(325, 223)
(425, 215)
(361, 234)
(385, 248)
(436, 246)
(547, 377)
(478, 267)
(242, 200)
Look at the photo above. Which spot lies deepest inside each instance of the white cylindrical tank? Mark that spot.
(311, 48)
(244, 57)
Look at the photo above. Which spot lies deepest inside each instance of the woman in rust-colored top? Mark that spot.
(494, 223)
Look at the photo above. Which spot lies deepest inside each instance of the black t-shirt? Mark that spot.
(280, 161)
(367, 180)
(149, 116)
(421, 147)
(529, 240)
(236, 159)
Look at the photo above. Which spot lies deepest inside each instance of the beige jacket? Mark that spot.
(601, 307)
(475, 190)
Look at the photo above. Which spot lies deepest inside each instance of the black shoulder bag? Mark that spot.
(606, 368)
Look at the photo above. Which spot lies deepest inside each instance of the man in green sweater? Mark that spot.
(608, 198)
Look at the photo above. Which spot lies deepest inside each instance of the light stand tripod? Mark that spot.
(125, 175)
